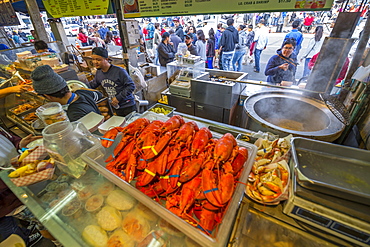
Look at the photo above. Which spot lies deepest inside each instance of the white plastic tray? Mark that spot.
(91, 121)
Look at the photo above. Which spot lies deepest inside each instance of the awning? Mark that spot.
(20, 6)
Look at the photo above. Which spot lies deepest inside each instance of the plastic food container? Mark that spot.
(114, 121)
(95, 158)
(51, 113)
(92, 121)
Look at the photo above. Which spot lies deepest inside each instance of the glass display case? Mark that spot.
(190, 70)
(10, 55)
(92, 211)
(180, 75)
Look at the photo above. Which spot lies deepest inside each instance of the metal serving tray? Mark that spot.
(332, 169)
(166, 107)
(95, 158)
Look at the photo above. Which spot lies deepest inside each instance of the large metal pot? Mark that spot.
(289, 113)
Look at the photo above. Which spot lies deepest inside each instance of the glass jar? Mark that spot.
(181, 52)
(65, 142)
(51, 113)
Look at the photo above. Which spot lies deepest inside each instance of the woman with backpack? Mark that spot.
(200, 45)
(314, 46)
(240, 49)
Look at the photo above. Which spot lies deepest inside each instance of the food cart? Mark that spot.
(72, 208)
(62, 204)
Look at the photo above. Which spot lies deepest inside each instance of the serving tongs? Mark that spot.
(14, 75)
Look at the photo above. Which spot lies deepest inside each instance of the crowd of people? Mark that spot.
(227, 48)
(234, 44)
(99, 35)
(236, 41)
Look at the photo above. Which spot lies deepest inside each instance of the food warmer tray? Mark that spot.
(34, 105)
(95, 157)
(332, 169)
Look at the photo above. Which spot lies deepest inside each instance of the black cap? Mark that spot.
(165, 35)
(100, 51)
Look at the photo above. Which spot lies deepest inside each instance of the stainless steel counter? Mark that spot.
(255, 224)
(261, 225)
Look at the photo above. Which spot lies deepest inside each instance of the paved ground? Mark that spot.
(275, 41)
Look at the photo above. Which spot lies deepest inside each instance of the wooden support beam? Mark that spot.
(38, 25)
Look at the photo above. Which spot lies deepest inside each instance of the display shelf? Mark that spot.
(67, 207)
(59, 228)
(14, 100)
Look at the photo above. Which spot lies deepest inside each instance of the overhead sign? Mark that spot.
(153, 8)
(65, 8)
(7, 14)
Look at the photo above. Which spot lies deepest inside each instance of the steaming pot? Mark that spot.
(289, 113)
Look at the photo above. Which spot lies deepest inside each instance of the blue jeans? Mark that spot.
(306, 70)
(226, 61)
(257, 56)
(210, 62)
(238, 57)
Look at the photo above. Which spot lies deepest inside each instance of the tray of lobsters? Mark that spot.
(188, 175)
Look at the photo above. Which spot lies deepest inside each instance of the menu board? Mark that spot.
(65, 8)
(153, 8)
(7, 14)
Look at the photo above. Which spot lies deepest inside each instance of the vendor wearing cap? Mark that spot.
(191, 47)
(54, 88)
(116, 82)
(166, 52)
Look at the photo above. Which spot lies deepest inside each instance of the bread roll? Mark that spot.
(95, 236)
(109, 218)
(120, 200)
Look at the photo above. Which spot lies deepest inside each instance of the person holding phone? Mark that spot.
(283, 65)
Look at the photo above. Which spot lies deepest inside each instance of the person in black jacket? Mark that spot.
(54, 88)
(191, 47)
(210, 48)
(229, 39)
(283, 65)
(179, 30)
(166, 51)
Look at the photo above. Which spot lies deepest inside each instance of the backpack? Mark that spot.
(242, 40)
(150, 28)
